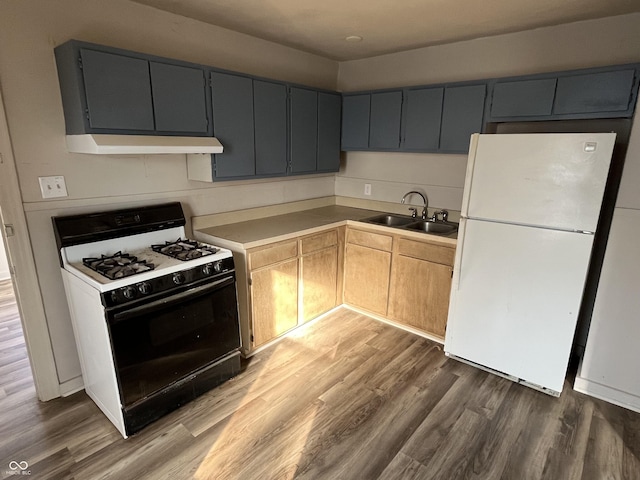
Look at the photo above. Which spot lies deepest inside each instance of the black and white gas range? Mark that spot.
(155, 315)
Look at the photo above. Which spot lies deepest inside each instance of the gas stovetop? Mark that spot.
(118, 265)
(131, 260)
(122, 264)
(185, 249)
(120, 248)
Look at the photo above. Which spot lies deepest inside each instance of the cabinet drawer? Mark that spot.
(426, 251)
(270, 254)
(318, 242)
(369, 239)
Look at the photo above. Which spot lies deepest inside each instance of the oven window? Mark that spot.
(155, 348)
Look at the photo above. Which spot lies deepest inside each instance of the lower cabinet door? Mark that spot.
(274, 300)
(419, 294)
(319, 278)
(366, 278)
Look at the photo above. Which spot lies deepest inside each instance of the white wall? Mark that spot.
(609, 41)
(29, 31)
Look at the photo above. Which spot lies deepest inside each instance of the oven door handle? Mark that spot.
(167, 301)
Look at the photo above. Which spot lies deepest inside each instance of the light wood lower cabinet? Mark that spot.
(420, 285)
(419, 295)
(366, 270)
(405, 280)
(318, 280)
(402, 279)
(292, 282)
(274, 300)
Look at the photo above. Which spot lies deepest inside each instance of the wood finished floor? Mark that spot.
(346, 398)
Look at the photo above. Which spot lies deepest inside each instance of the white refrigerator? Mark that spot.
(530, 208)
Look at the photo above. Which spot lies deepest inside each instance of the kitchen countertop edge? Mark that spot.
(230, 235)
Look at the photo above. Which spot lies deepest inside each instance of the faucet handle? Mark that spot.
(414, 212)
(444, 213)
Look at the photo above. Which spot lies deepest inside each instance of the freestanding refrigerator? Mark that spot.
(530, 208)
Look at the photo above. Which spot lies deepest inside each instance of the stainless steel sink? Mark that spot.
(390, 220)
(438, 228)
(406, 222)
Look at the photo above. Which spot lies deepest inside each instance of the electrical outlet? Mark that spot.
(53, 187)
(367, 189)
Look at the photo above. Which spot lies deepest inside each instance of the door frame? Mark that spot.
(23, 271)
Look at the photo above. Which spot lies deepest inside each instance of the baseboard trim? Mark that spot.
(608, 394)
(71, 386)
(406, 328)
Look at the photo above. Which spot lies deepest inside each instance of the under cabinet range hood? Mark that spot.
(101, 144)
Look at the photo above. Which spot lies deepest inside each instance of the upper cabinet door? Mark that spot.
(422, 117)
(232, 98)
(179, 98)
(594, 92)
(329, 109)
(462, 113)
(355, 121)
(118, 91)
(270, 118)
(304, 130)
(523, 98)
(384, 128)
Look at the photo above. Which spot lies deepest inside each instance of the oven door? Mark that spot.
(165, 340)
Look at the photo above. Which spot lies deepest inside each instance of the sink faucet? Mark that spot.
(413, 210)
(444, 213)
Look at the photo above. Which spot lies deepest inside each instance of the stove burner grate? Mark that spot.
(185, 249)
(118, 265)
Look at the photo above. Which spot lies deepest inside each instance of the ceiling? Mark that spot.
(386, 26)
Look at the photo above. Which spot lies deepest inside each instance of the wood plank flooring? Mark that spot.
(345, 398)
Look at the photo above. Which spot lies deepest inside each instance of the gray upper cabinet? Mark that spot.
(270, 124)
(107, 90)
(384, 123)
(179, 98)
(303, 130)
(271, 129)
(441, 118)
(523, 98)
(422, 117)
(329, 111)
(355, 121)
(118, 91)
(462, 114)
(595, 92)
(232, 98)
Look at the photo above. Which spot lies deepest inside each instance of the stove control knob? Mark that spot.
(217, 267)
(144, 288)
(208, 269)
(129, 292)
(178, 278)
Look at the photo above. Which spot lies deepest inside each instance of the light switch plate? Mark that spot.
(53, 187)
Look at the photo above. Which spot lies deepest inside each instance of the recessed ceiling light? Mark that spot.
(353, 38)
